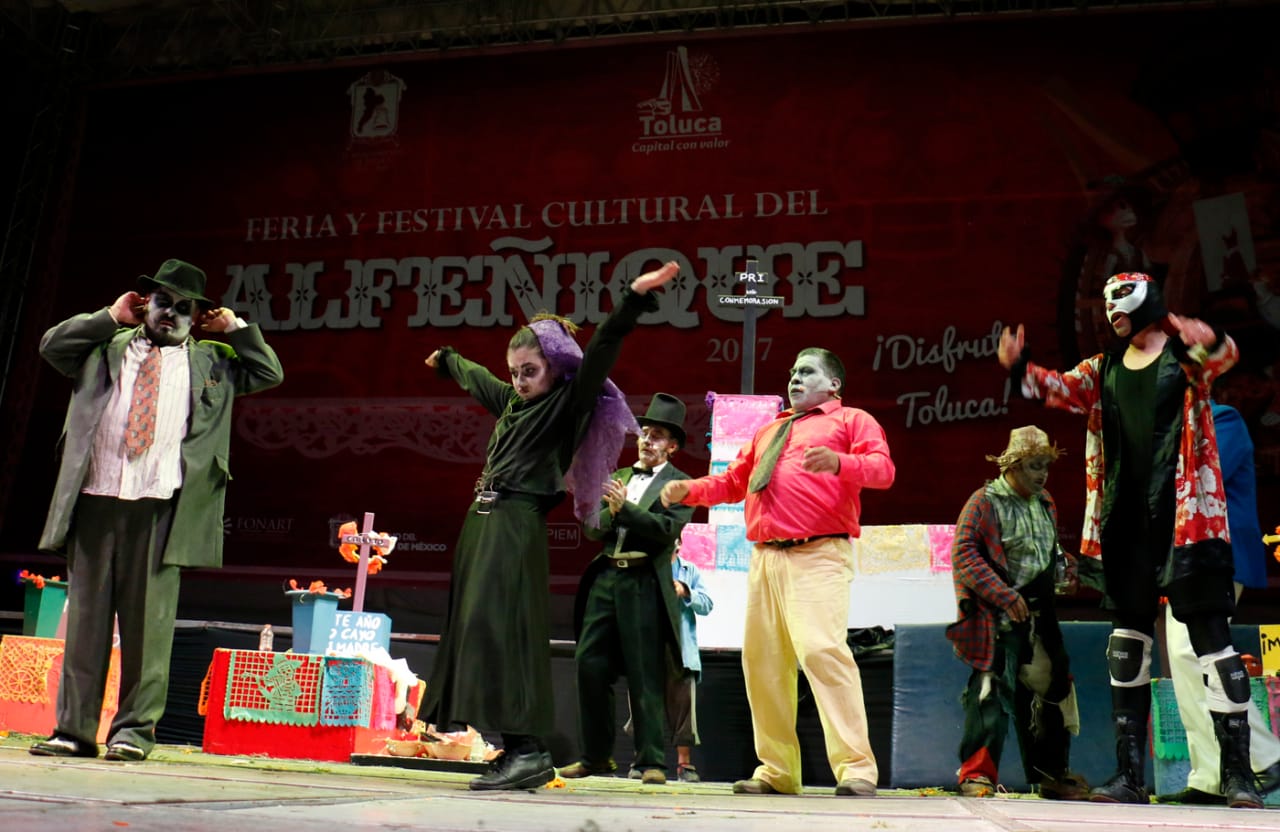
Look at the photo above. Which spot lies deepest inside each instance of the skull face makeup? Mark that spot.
(1133, 302)
(169, 317)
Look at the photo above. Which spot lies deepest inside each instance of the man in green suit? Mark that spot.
(627, 613)
(140, 489)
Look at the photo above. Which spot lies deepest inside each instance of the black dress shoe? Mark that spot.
(125, 751)
(1193, 797)
(60, 745)
(517, 771)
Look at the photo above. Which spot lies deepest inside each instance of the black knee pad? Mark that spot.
(1235, 678)
(1129, 658)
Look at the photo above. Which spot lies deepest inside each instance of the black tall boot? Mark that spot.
(1238, 786)
(1129, 783)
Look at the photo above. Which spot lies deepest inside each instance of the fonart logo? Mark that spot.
(263, 526)
(375, 105)
(677, 118)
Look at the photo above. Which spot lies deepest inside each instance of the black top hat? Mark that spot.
(181, 277)
(666, 411)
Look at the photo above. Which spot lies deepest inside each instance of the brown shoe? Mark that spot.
(977, 787)
(653, 777)
(687, 774)
(855, 787)
(753, 786)
(581, 769)
(1066, 786)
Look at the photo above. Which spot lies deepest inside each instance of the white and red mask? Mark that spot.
(1134, 302)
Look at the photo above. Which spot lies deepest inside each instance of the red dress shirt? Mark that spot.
(798, 503)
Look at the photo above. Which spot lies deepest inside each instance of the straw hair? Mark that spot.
(1025, 443)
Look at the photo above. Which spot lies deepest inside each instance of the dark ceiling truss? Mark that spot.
(140, 38)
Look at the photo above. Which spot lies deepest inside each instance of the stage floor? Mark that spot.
(180, 788)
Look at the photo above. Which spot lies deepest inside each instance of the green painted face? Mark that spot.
(1029, 476)
(810, 385)
(169, 317)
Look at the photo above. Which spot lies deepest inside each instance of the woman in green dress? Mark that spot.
(561, 425)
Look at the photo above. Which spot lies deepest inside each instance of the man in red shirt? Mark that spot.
(802, 476)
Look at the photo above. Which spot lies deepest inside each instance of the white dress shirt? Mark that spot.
(157, 471)
(639, 483)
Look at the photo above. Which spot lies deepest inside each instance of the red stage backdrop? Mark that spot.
(908, 191)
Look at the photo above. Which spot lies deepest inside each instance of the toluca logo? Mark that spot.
(676, 118)
(673, 126)
(375, 105)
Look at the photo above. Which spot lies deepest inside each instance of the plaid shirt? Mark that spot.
(980, 572)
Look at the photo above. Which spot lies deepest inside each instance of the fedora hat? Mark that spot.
(665, 411)
(180, 277)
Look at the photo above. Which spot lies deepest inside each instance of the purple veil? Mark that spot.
(611, 421)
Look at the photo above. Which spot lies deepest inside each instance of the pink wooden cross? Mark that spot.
(365, 539)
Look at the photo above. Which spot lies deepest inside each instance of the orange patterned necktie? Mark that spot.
(140, 430)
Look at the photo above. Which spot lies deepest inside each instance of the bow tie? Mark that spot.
(637, 471)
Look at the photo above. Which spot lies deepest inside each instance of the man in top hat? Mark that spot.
(140, 489)
(627, 613)
(1004, 562)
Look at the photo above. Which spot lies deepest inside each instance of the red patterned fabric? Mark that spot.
(1201, 500)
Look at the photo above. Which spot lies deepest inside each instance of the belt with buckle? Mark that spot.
(791, 542)
(485, 498)
(626, 560)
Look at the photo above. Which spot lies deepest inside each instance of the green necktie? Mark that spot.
(764, 468)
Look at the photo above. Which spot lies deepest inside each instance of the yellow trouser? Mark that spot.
(797, 617)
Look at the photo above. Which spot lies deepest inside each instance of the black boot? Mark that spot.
(1129, 783)
(1238, 786)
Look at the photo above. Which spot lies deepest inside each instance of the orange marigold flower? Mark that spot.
(351, 552)
(319, 588)
(38, 581)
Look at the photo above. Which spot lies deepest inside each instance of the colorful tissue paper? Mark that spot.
(698, 545)
(940, 537)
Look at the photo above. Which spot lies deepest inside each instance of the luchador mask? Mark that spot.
(1137, 298)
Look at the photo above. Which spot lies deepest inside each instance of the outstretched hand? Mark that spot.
(1011, 346)
(433, 360)
(1193, 331)
(652, 280)
(674, 492)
